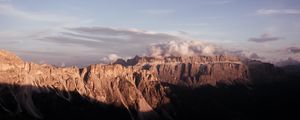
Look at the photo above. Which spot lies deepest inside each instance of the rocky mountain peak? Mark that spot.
(9, 60)
(8, 57)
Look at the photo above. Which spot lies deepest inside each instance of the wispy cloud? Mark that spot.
(56, 57)
(192, 24)
(89, 43)
(5, 0)
(126, 42)
(264, 38)
(278, 12)
(12, 11)
(158, 11)
(221, 2)
(182, 32)
(293, 50)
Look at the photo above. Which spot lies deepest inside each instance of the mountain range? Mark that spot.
(149, 88)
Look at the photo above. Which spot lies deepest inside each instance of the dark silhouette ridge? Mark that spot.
(277, 100)
(52, 106)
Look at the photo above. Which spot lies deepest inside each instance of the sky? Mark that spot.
(82, 32)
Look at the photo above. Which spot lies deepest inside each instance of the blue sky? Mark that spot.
(78, 32)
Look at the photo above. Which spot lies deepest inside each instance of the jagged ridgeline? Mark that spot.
(139, 88)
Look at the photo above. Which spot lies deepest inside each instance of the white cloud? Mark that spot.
(12, 11)
(196, 48)
(110, 58)
(278, 12)
(183, 48)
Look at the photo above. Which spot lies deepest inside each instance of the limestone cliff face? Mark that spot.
(193, 71)
(138, 84)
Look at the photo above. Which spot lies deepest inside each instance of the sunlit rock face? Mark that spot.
(136, 90)
(139, 85)
(193, 71)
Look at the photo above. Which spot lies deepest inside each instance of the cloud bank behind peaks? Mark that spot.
(183, 48)
(196, 48)
(110, 58)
